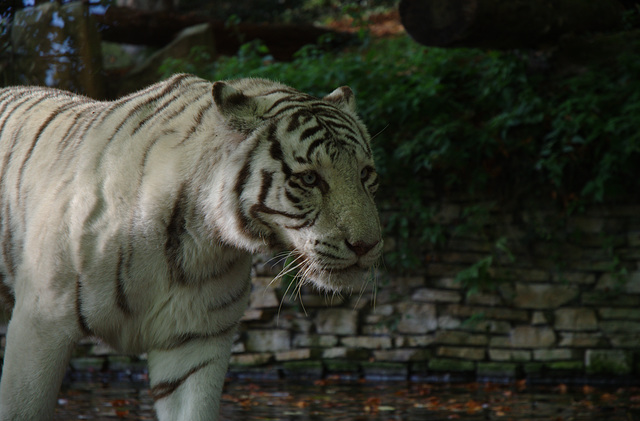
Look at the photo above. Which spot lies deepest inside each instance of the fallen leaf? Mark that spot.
(490, 387)
(473, 406)
(119, 402)
(372, 404)
(521, 385)
(608, 397)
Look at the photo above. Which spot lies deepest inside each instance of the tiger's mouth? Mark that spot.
(333, 279)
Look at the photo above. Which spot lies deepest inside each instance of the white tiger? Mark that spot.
(134, 221)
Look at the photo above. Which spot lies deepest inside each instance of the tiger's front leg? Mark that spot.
(187, 380)
(35, 360)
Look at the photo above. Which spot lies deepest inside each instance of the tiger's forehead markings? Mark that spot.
(291, 97)
(335, 131)
(299, 118)
(324, 129)
(275, 150)
(332, 147)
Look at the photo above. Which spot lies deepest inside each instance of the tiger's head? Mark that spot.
(307, 181)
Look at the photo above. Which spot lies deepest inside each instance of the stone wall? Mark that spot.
(563, 304)
(562, 301)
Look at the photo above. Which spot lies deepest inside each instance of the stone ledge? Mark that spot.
(303, 369)
(601, 361)
(385, 371)
(294, 354)
(466, 353)
(451, 365)
(495, 369)
(367, 342)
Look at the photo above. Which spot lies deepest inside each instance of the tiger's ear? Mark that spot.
(342, 98)
(241, 111)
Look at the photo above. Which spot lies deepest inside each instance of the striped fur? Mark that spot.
(134, 221)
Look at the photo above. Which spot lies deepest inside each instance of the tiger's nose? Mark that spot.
(360, 248)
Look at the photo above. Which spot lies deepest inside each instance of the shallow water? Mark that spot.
(335, 399)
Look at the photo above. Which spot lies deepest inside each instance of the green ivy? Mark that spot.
(473, 122)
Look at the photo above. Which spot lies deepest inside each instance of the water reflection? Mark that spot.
(335, 399)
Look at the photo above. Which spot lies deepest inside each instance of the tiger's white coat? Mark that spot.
(134, 221)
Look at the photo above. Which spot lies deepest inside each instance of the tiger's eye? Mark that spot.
(364, 173)
(310, 178)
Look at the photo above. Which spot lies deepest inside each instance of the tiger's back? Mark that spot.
(134, 221)
(85, 200)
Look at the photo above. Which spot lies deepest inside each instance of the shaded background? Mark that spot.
(508, 155)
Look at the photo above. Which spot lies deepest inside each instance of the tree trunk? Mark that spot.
(505, 23)
(124, 25)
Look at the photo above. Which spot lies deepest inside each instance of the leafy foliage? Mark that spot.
(473, 122)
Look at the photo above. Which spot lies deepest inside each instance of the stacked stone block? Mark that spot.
(561, 308)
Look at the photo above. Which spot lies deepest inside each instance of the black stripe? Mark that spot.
(293, 100)
(242, 293)
(6, 97)
(260, 208)
(337, 124)
(313, 146)
(276, 150)
(184, 338)
(243, 221)
(267, 181)
(121, 296)
(9, 148)
(293, 199)
(349, 122)
(310, 132)
(135, 108)
(164, 389)
(283, 110)
(298, 118)
(6, 295)
(73, 127)
(82, 321)
(178, 111)
(257, 209)
(244, 225)
(157, 110)
(34, 142)
(7, 229)
(173, 243)
(37, 102)
(295, 185)
(305, 224)
(7, 242)
(198, 121)
(285, 90)
(166, 105)
(329, 255)
(324, 243)
(9, 114)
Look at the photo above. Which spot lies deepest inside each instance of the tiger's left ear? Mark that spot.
(342, 98)
(241, 111)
